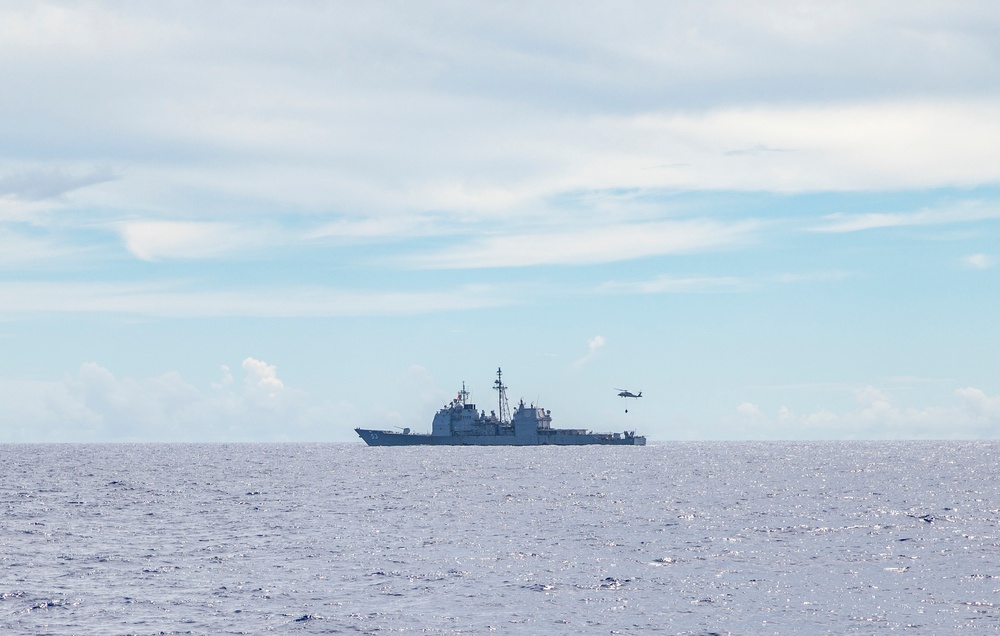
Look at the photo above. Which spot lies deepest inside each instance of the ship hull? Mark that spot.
(549, 438)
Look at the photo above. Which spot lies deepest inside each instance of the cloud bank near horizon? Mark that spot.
(976, 416)
(95, 405)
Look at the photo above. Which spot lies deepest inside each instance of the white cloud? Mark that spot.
(54, 29)
(263, 376)
(979, 261)
(593, 345)
(578, 98)
(40, 183)
(773, 147)
(750, 410)
(377, 228)
(980, 405)
(974, 416)
(226, 379)
(828, 276)
(866, 145)
(19, 249)
(667, 284)
(470, 188)
(967, 213)
(175, 300)
(159, 240)
(602, 244)
(489, 170)
(95, 405)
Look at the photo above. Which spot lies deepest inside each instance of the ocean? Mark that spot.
(671, 538)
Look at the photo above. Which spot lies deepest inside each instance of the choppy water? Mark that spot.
(714, 538)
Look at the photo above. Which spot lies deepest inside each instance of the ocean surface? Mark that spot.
(671, 538)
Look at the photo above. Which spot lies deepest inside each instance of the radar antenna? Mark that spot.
(502, 398)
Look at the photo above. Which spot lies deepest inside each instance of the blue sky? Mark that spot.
(253, 222)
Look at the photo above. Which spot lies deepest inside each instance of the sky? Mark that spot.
(241, 221)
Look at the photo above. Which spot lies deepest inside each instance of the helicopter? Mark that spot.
(625, 393)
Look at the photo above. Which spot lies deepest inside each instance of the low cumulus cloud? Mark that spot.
(95, 405)
(593, 346)
(975, 415)
(979, 261)
(263, 377)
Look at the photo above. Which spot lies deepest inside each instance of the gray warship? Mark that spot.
(458, 423)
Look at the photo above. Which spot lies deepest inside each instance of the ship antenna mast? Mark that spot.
(502, 398)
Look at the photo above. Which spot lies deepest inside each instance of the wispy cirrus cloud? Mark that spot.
(19, 249)
(588, 245)
(186, 240)
(383, 228)
(667, 284)
(35, 184)
(966, 213)
(671, 284)
(179, 301)
(726, 98)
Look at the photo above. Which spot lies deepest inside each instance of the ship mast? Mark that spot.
(504, 408)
